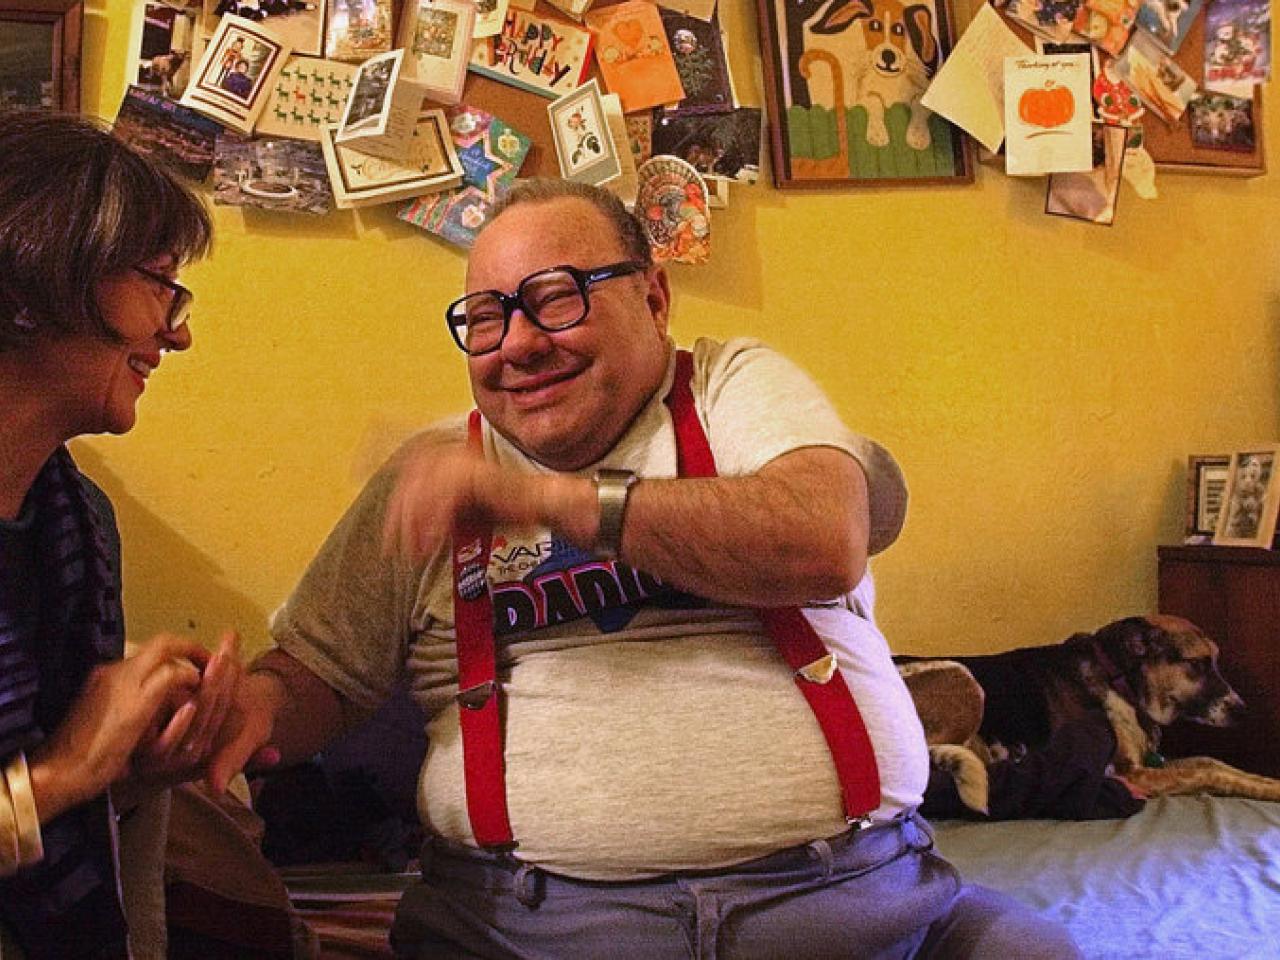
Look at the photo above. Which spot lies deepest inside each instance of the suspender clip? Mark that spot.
(858, 823)
(474, 698)
(820, 671)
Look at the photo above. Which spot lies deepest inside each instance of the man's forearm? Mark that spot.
(307, 712)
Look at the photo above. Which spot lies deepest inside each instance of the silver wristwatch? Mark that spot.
(613, 487)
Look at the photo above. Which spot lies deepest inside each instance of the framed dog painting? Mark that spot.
(1251, 500)
(844, 79)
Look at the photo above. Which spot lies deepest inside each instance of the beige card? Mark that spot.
(361, 180)
(309, 94)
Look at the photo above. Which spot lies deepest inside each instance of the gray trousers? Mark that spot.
(874, 894)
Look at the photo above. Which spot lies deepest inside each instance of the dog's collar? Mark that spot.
(1113, 675)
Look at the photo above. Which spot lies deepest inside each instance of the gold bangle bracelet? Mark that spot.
(10, 858)
(30, 842)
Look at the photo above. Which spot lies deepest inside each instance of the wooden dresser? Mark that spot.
(1233, 594)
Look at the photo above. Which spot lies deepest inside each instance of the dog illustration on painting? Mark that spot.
(888, 53)
(1142, 673)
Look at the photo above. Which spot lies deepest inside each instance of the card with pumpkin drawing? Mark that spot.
(1047, 109)
(634, 56)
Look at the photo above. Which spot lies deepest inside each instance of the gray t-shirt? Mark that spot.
(646, 731)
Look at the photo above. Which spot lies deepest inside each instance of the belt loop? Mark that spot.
(529, 888)
(821, 850)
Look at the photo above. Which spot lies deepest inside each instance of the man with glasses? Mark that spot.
(601, 585)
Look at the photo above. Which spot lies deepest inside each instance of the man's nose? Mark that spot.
(524, 337)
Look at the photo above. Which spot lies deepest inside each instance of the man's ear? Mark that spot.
(658, 298)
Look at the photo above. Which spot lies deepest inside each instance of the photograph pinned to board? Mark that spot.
(583, 142)
(1047, 115)
(234, 77)
(1053, 20)
(299, 23)
(166, 49)
(698, 48)
(308, 94)
(1251, 499)
(633, 55)
(1168, 21)
(1107, 23)
(436, 36)
(381, 113)
(278, 174)
(1163, 85)
(835, 120)
(672, 206)
(1091, 195)
(724, 146)
(548, 56)
(167, 131)
(491, 152)
(362, 180)
(1220, 121)
(358, 29)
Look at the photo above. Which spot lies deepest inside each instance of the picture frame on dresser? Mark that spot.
(40, 54)
(1206, 482)
(1251, 499)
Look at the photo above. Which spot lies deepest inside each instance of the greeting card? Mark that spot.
(1222, 122)
(671, 205)
(491, 152)
(583, 140)
(1051, 19)
(626, 184)
(543, 55)
(698, 48)
(381, 114)
(287, 176)
(1091, 195)
(702, 9)
(1168, 21)
(308, 94)
(1047, 110)
(724, 146)
(358, 29)
(360, 179)
(1237, 44)
(1107, 23)
(234, 76)
(1161, 83)
(489, 17)
(168, 132)
(574, 8)
(436, 36)
(634, 57)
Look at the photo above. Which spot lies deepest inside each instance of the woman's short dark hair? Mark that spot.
(78, 205)
(541, 190)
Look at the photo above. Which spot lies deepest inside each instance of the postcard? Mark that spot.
(381, 115)
(235, 75)
(358, 29)
(1237, 44)
(361, 180)
(491, 152)
(698, 48)
(1168, 21)
(271, 174)
(436, 36)
(543, 55)
(490, 15)
(1222, 122)
(702, 9)
(1107, 23)
(584, 143)
(969, 88)
(1091, 195)
(672, 206)
(1051, 19)
(168, 132)
(1047, 108)
(719, 146)
(1161, 83)
(633, 55)
(309, 94)
(165, 52)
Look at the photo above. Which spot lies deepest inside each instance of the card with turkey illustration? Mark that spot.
(1047, 110)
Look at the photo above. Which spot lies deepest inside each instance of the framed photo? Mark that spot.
(837, 121)
(1251, 499)
(1206, 482)
(234, 77)
(40, 54)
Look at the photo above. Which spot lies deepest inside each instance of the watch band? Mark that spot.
(613, 487)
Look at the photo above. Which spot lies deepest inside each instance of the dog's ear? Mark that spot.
(919, 20)
(841, 14)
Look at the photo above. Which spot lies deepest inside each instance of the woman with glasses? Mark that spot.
(91, 238)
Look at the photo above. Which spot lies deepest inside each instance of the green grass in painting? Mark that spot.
(813, 135)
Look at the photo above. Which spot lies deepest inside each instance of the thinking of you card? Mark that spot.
(1047, 110)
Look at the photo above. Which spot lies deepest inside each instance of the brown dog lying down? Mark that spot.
(1141, 674)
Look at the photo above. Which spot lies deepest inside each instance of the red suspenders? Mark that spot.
(480, 696)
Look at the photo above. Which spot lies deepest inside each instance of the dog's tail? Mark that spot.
(837, 92)
(968, 771)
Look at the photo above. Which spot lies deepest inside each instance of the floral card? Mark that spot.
(358, 29)
(308, 94)
(491, 152)
(698, 48)
(1237, 43)
(361, 180)
(1161, 83)
(1047, 109)
(584, 143)
(1168, 21)
(1107, 23)
(543, 55)
(436, 36)
(233, 79)
(634, 56)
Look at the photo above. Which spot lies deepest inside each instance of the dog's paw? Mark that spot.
(877, 134)
(968, 772)
(918, 137)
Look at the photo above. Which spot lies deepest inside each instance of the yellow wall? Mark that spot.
(1040, 380)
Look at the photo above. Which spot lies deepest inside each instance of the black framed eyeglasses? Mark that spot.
(554, 299)
(180, 307)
